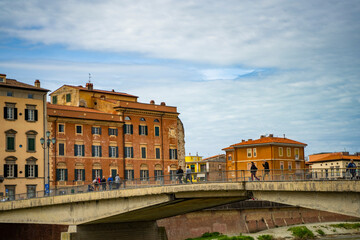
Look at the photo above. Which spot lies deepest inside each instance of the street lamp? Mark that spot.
(46, 144)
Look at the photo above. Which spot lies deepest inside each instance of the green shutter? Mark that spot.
(36, 171)
(26, 170)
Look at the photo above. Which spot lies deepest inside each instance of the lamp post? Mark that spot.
(46, 144)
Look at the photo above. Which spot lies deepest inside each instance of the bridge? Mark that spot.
(110, 211)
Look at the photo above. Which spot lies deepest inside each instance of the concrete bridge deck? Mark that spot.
(147, 204)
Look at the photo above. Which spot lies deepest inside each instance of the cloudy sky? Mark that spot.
(235, 69)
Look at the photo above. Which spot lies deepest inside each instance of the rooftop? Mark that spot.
(12, 83)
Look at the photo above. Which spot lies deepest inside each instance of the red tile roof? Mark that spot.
(81, 88)
(146, 106)
(265, 140)
(335, 156)
(12, 83)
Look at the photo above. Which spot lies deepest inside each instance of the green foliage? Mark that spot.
(321, 232)
(265, 237)
(346, 225)
(301, 232)
(213, 234)
(235, 238)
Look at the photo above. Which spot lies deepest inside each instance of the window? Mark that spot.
(79, 150)
(280, 151)
(68, 97)
(173, 154)
(96, 130)
(157, 131)
(158, 175)
(10, 192)
(143, 130)
(229, 158)
(31, 143)
(172, 175)
(79, 174)
(31, 114)
(113, 132)
(296, 152)
(203, 168)
(31, 191)
(156, 120)
(10, 111)
(337, 170)
(61, 175)
(127, 118)
(54, 99)
(143, 152)
(61, 149)
(30, 95)
(288, 152)
(157, 153)
(31, 170)
(10, 170)
(129, 174)
(254, 152)
(332, 171)
(144, 175)
(9, 94)
(10, 140)
(128, 129)
(249, 153)
(61, 128)
(282, 165)
(96, 173)
(113, 151)
(142, 119)
(129, 152)
(289, 165)
(78, 129)
(192, 167)
(96, 151)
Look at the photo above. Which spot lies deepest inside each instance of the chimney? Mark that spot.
(152, 102)
(89, 86)
(271, 135)
(3, 78)
(242, 140)
(249, 139)
(37, 83)
(262, 136)
(162, 104)
(345, 153)
(113, 90)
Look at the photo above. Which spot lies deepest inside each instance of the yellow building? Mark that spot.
(196, 166)
(22, 125)
(284, 156)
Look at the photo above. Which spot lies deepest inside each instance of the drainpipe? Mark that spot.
(55, 148)
(123, 146)
(44, 130)
(162, 144)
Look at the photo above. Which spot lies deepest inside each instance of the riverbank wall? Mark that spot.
(243, 217)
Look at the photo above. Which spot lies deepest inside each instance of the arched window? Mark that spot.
(127, 118)
(156, 120)
(142, 119)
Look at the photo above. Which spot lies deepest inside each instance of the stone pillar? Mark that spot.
(124, 231)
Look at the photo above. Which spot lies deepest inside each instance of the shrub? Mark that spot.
(236, 238)
(265, 237)
(301, 232)
(213, 234)
(321, 232)
(346, 225)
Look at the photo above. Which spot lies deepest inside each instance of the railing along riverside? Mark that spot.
(274, 175)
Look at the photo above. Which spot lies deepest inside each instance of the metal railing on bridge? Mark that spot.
(320, 174)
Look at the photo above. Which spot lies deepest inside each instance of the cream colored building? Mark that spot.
(332, 165)
(22, 125)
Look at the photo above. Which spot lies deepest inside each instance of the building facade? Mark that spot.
(104, 133)
(22, 158)
(332, 165)
(285, 157)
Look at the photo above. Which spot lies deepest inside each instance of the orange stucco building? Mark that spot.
(102, 133)
(282, 154)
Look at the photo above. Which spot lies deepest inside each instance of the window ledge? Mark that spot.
(10, 150)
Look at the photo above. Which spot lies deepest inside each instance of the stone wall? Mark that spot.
(236, 221)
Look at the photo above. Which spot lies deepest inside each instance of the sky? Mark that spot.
(234, 69)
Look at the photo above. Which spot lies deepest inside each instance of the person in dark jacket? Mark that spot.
(253, 171)
(266, 170)
(179, 174)
(103, 183)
